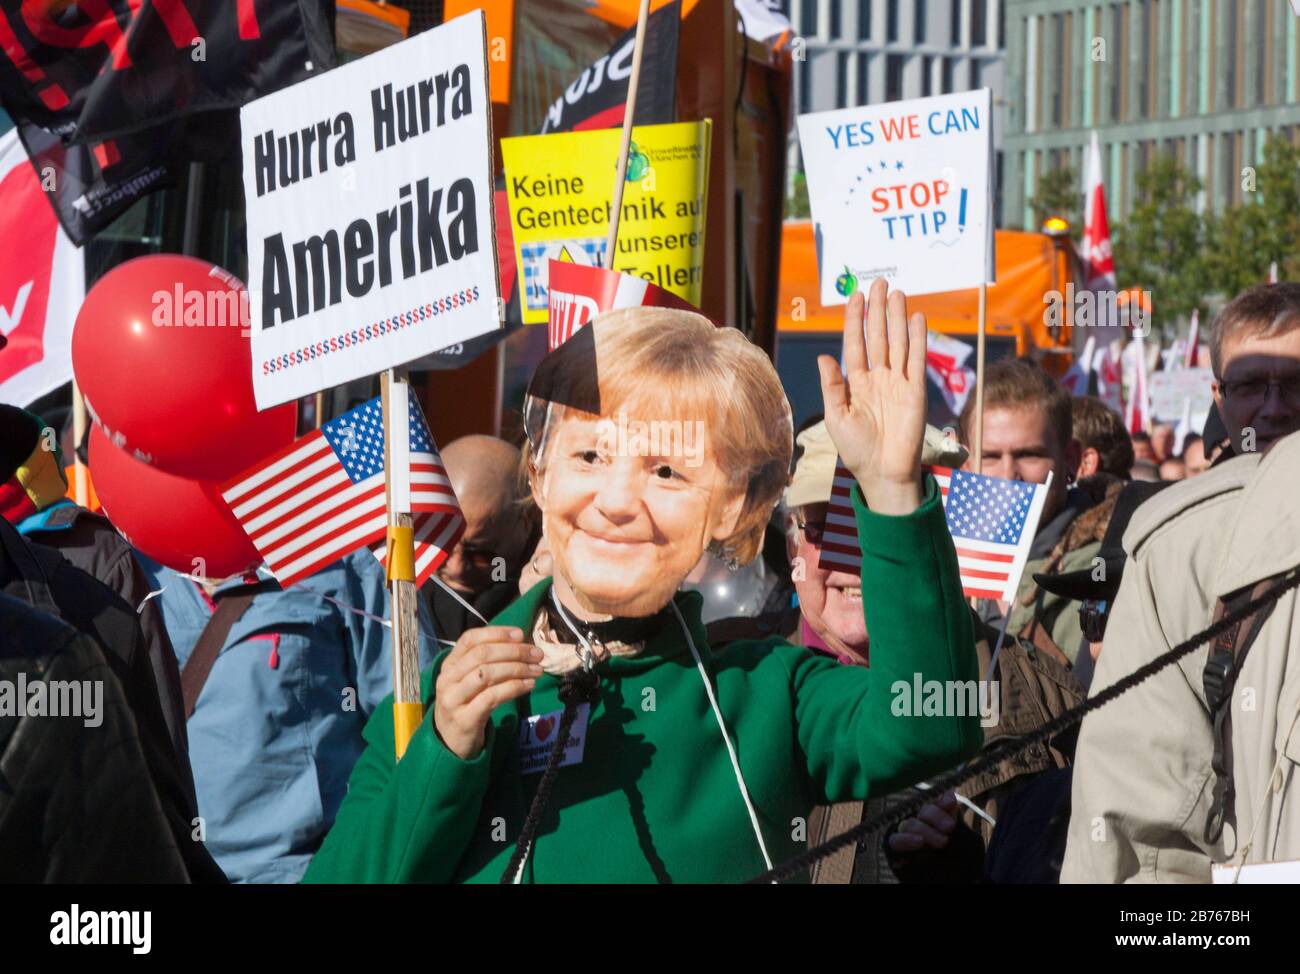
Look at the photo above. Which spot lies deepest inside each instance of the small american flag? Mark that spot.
(992, 522)
(322, 497)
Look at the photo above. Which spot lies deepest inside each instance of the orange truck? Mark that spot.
(1029, 267)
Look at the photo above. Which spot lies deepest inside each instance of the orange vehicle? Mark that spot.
(1029, 267)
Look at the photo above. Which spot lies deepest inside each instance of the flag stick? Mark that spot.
(629, 114)
(81, 483)
(407, 708)
(977, 447)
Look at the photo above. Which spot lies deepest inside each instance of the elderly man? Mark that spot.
(483, 569)
(1218, 733)
(945, 842)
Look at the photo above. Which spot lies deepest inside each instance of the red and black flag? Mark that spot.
(105, 92)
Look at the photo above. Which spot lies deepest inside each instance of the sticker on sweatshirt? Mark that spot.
(537, 738)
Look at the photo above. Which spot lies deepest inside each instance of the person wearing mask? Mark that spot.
(1210, 782)
(653, 788)
(483, 568)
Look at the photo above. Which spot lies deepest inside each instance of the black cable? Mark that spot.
(580, 686)
(1007, 747)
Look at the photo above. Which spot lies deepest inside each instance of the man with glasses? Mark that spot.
(1191, 767)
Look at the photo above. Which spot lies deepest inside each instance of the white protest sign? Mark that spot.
(1169, 391)
(369, 195)
(901, 191)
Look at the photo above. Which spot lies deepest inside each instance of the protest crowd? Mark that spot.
(656, 622)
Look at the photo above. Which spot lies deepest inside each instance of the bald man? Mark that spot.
(499, 532)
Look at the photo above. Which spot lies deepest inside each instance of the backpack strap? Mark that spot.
(1227, 656)
(231, 605)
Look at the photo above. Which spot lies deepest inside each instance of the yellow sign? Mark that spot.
(561, 192)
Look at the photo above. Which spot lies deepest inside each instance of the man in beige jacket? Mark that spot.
(1144, 781)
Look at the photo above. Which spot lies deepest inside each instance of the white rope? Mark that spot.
(456, 595)
(975, 808)
(726, 738)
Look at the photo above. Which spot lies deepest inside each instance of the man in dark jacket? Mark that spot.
(78, 804)
(45, 580)
(33, 499)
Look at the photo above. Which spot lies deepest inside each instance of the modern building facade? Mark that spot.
(859, 52)
(1205, 81)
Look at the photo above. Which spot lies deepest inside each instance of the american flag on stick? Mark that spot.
(322, 497)
(992, 522)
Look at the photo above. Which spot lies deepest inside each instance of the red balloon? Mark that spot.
(160, 353)
(183, 524)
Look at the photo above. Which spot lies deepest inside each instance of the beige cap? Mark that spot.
(815, 472)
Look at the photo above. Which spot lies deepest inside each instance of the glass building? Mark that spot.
(859, 52)
(1205, 81)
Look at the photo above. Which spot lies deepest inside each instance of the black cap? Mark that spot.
(1080, 585)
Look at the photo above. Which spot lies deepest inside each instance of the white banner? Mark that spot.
(901, 190)
(370, 233)
(1171, 391)
(42, 283)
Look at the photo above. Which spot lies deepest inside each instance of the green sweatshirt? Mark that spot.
(654, 797)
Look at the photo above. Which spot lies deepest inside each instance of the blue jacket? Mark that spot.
(277, 727)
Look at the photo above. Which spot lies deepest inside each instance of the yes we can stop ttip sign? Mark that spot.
(901, 191)
(370, 213)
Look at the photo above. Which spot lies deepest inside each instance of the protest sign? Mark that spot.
(578, 293)
(901, 191)
(561, 188)
(1171, 389)
(370, 234)
(42, 282)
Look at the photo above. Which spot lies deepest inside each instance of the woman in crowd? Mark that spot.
(653, 436)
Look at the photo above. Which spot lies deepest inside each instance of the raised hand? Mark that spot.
(875, 411)
(487, 667)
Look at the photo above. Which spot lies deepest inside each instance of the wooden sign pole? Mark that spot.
(81, 483)
(408, 711)
(977, 447)
(628, 115)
